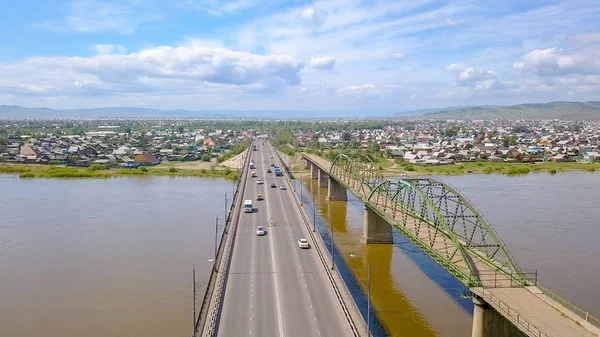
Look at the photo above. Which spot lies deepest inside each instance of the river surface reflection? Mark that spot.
(549, 222)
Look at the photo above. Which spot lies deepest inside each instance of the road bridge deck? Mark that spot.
(274, 288)
(527, 307)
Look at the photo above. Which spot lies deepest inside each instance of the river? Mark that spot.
(113, 257)
(549, 222)
(108, 257)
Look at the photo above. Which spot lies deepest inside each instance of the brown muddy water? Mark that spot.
(549, 222)
(108, 257)
(114, 257)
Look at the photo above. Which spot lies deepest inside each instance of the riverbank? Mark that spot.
(390, 167)
(103, 172)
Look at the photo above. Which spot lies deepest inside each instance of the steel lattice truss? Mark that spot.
(444, 224)
(359, 171)
(437, 218)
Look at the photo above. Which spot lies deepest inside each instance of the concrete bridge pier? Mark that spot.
(314, 171)
(487, 322)
(323, 178)
(376, 229)
(478, 313)
(336, 191)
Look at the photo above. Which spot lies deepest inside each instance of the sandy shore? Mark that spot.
(236, 162)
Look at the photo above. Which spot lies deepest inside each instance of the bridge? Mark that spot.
(448, 228)
(266, 285)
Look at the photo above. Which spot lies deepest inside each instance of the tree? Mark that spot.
(205, 157)
(346, 137)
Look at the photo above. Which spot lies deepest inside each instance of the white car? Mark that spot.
(303, 243)
(260, 231)
(259, 181)
(282, 187)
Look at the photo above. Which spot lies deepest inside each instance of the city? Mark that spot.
(320, 168)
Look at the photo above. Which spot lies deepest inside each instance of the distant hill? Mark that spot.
(429, 111)
(553, 110)
(131, 112)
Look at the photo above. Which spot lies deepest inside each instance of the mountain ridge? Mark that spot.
(562, 110)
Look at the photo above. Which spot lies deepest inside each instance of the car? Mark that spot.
(272, 164)
(273, 185)
(303, 243)
(269, 171)
(259, 197)
(259, 181)
(271, 157)
(260, 231)
(282, 187)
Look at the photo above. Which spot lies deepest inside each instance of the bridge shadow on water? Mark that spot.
(391, 293)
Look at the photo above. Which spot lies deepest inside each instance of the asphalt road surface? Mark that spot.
(274, 287)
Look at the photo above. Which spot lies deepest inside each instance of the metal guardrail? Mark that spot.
(307, 222)
(512, 315)
(217, 280)
(595, 321)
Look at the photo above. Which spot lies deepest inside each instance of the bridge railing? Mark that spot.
(595, 321)
(504, 279)
(215, 283)
(511, 314)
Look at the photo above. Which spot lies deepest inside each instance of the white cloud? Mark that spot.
(476, 78)
(106, 49)
(397, 56)
(322, 63)
(313, 16)
(159, 68)
(555, 61)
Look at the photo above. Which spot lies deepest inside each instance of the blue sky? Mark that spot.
(325, 55)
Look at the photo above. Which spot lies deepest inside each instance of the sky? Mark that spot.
(324, 55)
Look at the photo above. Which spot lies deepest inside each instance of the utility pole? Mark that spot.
(332, 245)
(216, 232)
(314, 213)
(301, 202)
(194, 321)
(369, 300)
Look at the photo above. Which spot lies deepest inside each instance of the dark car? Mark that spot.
(269, 171)
(272, 165)
(273, 185)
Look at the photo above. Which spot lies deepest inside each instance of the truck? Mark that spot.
(252, 165)
(248, 206)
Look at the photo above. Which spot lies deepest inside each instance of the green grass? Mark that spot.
(38, 171)
(489, 168)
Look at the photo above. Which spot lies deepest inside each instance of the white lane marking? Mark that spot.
(277, 300)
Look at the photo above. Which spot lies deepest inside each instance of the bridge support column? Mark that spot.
(323, 179)
(314, 171)
(478, 315)
(376, 229)
(336, 191)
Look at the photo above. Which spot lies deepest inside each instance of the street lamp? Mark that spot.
(195, 286)
(368, 297)
(332, 245)
(314, 213)
(301, 203)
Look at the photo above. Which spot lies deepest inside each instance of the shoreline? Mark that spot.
(392, 169)
(29, 171)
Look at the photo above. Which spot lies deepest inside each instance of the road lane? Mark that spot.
(274, 287)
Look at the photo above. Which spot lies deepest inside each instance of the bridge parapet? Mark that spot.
(207, 321)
